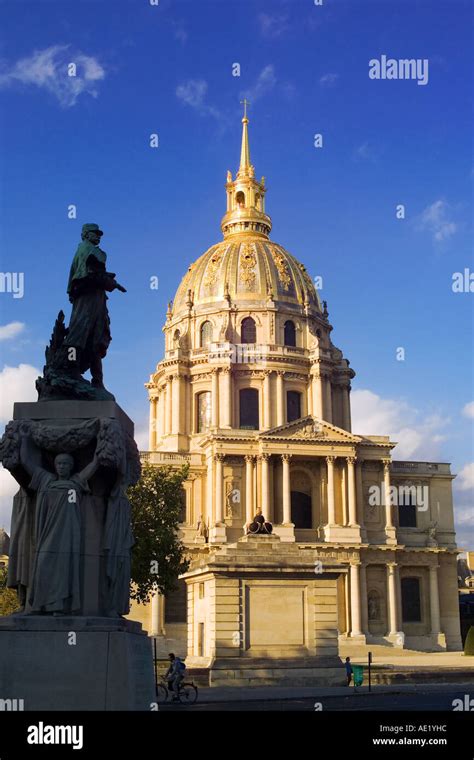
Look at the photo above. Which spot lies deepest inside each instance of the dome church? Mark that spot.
(253, 394)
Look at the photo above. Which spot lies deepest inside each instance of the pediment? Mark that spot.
(310, 429)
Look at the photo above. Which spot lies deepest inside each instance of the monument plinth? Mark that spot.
(73, 455)
(264, 611)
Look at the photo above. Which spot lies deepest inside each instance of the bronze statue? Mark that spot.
(258, 525)
(82, 345)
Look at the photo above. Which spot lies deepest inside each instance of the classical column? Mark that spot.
(169, 404)
(226, 403)
(249, 487)
(161, 412)
(387, 494)
(352, 490)
(215, 399)
(346, 409)
(345, 520)
(152, 429)
(280, 398)
(327, 399)
(364, 614)
(176, 403)
(285, 458)
(317, 394)
(434, 600)
(359, 493)
(209, 491)
(392, 598)
(156, 617)
(266, 400)
(265, 473)
(331, 501)
(219, 460)
(355, 599)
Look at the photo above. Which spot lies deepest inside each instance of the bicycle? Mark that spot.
(187, 692)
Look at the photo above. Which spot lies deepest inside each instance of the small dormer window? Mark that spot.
(240, 199)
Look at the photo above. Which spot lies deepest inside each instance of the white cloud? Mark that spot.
(465, 478)
(48, 69)
(365, 152)
(468, 410)
(265, 82)
(273, 24)
(419, 435)
(8, 488)
(7, 332)
(193, 93)
(329, 79)
(16, 384)
(436, 220)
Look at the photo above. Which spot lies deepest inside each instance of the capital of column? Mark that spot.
(351, 460)
(286, 457)
(219, 457)
(249, 458)
(330, 459)
(386, 464)
(226, 370)
(264, 457)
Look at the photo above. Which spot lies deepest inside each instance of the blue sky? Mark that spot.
(167, 69)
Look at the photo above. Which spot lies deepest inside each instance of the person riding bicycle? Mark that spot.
(175, 674)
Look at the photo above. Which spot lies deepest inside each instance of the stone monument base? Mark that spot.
(263, 611)
(75, 663)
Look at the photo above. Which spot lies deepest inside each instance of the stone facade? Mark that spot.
(255, 397)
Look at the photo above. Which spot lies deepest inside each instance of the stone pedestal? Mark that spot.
(263, 611)
(217, 534)
(76, 663)
(342, 534)
(69, 415)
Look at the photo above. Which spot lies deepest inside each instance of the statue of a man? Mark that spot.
(55, 584)
(89, 327)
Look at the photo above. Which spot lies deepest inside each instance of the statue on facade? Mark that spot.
(83, 344)
(374, 607)
(258, 525)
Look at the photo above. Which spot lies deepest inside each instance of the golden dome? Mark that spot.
(246, 269)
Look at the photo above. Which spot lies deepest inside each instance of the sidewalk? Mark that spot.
(258, 693)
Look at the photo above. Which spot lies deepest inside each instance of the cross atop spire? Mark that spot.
(245, 103)
(245, 150)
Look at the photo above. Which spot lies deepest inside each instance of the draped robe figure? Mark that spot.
(55, 582)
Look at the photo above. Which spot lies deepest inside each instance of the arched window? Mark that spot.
(206, 334)
(290, 333)
(248, 331)
(203, 411)
(240, 199)
(293, 406)
(411, 600)
(301, 515)
(249, 414)
(176, 338)
(258, 201)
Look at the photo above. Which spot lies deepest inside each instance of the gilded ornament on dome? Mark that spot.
(307, 279)
(248, 263)
(213, 268)
(283, 270)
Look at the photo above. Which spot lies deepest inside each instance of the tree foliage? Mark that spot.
(158, 555)
(8, 597)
